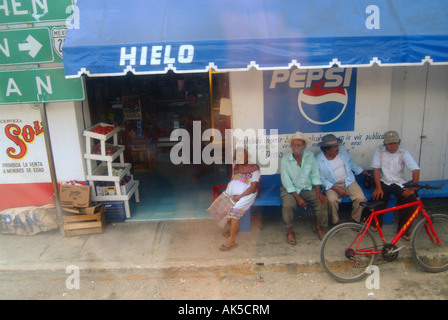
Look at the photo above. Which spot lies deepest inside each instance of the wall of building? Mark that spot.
(406, 99)
(26, 180)
(419, 108)
(66, 124)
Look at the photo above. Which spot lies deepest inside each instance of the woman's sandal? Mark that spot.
(225, 247)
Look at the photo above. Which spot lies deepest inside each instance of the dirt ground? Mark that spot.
(396, 281)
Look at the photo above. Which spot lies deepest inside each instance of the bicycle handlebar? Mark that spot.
(410, 184)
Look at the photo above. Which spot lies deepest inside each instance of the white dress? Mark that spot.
(238, 184)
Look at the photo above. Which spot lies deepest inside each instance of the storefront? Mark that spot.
(267, 69)
(149, 108)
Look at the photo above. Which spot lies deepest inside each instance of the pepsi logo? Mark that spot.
(310, 100)
(320, 105)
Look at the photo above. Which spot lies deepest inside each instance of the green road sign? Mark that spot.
(25, 46)
(39, 85)
(29, 11)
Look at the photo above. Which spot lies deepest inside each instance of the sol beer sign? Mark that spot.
(22, 147)
(309, 100)
(21, 137)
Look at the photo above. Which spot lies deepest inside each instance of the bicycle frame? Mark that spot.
(373, 217)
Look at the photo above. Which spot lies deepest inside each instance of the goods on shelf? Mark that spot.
(141, 151)
(108, 188)
(103, 129)
(131, 108)
(116, 171)
(107, 171)
(110, 149)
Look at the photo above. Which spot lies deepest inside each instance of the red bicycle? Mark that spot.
(349, 249)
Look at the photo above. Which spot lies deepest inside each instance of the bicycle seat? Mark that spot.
(371, 205)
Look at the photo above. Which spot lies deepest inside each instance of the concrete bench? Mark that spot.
(270, 197)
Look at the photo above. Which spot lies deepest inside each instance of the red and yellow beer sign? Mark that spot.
(22, 147)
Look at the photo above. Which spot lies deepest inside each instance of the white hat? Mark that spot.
(391, 137)
(300, 135)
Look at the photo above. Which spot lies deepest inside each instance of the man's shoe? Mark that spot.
(353, 220)
(320, 232)
(290, 238)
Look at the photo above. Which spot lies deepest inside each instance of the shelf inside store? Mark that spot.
(105, 172)
(101, 157)
(102, 137)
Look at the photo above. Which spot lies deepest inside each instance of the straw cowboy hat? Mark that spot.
(329, 140)
(300, 135)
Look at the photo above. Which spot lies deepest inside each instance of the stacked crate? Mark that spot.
(103, 167)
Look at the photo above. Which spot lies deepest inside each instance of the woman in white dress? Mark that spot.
(243, 188)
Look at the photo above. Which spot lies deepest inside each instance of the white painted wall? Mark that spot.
(65, 121)
(419, 107)
(247, 99)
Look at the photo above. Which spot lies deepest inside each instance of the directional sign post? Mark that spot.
(39, 85)
(25, 46)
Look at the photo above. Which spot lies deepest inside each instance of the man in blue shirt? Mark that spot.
(301, 184)
(336, 167)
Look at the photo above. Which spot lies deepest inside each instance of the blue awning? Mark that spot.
(114, 37)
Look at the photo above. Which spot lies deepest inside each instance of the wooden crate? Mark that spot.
(79, 224)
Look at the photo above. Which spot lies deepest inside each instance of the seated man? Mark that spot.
(388, 165)
(335, 167)
(301, 182)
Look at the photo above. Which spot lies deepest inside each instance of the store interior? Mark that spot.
(149, 108)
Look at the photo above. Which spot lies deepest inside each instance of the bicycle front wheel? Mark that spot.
(344, 255)
(427, 253)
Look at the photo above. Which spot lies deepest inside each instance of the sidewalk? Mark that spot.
(170, 248)
(162, 246)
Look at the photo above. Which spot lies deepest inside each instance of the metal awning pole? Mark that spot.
(54, 180)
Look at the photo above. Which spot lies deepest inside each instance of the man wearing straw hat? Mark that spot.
(301, 184)
(336, 167)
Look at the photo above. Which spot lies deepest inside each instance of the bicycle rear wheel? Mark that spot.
(429, 255)
(338, 256)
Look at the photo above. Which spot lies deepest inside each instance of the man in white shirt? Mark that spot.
(388, 163)
(336, 167)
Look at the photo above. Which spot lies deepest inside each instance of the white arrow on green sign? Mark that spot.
(32, 46)
(25, 46)
(39, 85)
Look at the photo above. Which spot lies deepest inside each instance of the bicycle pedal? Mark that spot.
(398, 249)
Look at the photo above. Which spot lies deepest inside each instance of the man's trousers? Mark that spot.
(290, 205)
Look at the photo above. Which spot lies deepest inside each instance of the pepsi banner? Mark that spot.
(310, 100)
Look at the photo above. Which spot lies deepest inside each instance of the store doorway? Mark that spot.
(149, 108)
